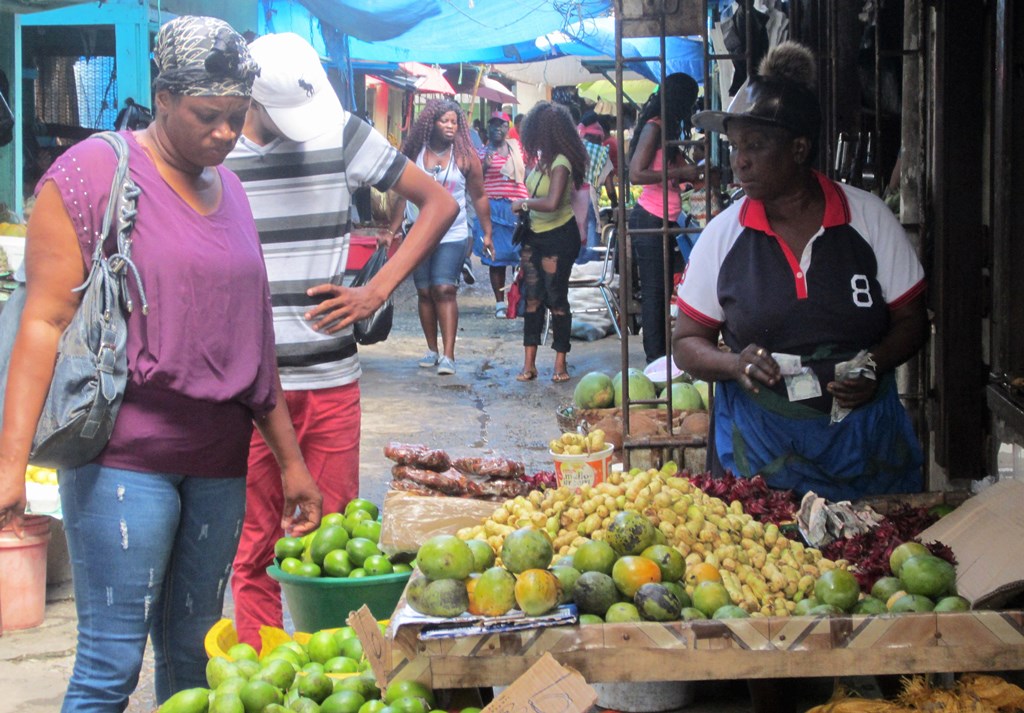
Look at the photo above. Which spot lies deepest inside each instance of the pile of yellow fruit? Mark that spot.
(763, 571)
(577, 444)
(43, 476)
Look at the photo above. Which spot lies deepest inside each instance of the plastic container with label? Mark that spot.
(574, 471)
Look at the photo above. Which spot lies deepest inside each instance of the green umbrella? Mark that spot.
(602, 90)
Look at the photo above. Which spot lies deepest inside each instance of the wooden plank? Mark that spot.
(761, 647)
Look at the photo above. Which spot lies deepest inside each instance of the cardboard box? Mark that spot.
(410, 520)
(985, 534)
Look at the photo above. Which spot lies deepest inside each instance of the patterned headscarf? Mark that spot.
(203, 57)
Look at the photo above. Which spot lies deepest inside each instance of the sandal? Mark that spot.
(560, 376)
(527, 375)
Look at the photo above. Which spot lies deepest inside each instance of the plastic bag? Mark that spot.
(377, 326)
(514, 296)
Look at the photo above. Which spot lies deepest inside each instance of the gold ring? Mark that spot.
(760, 351)
(747, 368)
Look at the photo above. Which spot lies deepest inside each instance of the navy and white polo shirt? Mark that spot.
(826, 304)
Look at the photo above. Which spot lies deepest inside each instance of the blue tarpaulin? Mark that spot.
(449, 31)
(477, 31)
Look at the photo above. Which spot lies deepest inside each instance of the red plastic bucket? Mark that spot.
(23, 574)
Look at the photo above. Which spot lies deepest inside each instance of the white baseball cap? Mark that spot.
(293, 86)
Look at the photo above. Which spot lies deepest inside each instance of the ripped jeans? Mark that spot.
(546, 260)
(150, 556)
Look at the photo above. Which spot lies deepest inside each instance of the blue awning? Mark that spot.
(435, 32)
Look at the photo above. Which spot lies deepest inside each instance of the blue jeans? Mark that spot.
(150, 556)
(443, 266)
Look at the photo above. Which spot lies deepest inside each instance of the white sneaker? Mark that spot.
(429, 359)
(501, 311)
(445, 366)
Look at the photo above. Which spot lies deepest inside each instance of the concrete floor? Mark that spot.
(482, 409)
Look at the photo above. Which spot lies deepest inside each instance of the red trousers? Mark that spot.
(327, 425)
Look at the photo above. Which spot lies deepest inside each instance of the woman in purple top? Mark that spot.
(153, 522)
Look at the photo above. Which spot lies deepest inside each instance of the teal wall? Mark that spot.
(7, 188)
(133, 23)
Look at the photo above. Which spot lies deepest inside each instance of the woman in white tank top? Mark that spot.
(439, 143)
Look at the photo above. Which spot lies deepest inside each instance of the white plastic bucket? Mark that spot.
(647, 697)
(574, 471)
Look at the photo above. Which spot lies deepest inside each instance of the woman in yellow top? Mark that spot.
(550, 141)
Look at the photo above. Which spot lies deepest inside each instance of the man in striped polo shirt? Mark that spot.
(300, 158)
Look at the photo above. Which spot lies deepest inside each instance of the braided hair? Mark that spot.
(419, 135)
(680, 92)
(548, 130)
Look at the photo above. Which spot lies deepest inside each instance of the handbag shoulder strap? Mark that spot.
(118, 222)
(124, 194)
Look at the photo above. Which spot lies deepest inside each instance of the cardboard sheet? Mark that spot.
(985, 534)
(547, 687)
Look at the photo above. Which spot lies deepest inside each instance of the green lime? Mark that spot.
(373, 706)
(232, 685)
(359, 548)
(304, 705)
(409, 704)
(341, 664)
(288, 547)
(277, 672)
(345, 632)
(307, 569)
(343, 702)
(220, 669)
(401, 567)
(328, 539)
(362, 504)
(332, 518)
(322, 646)
(258, 694)
(377, 565)
(243, 651)
(247, 669)
(352, 648)
(337, 563)
(357, 573)
(226, 702)
(354, 518)
(291, 565)
(191, 700)
(316, 686)
(408, 688)
(370, 529)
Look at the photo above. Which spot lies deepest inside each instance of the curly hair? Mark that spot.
(680, 91)
(420, 133)
(548, 130)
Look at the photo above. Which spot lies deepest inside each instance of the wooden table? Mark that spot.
(773, 647)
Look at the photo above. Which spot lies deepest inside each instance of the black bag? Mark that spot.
(522, 228)
(377, 326)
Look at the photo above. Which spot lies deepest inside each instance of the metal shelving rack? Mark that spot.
(825, 26)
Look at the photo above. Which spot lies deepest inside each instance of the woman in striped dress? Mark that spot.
(504, 176)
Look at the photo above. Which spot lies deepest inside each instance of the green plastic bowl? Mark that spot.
(317, 603)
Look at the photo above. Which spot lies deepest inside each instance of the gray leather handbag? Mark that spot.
(91, 370)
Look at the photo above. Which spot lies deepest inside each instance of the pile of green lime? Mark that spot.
(329, 674)
(345, 545)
